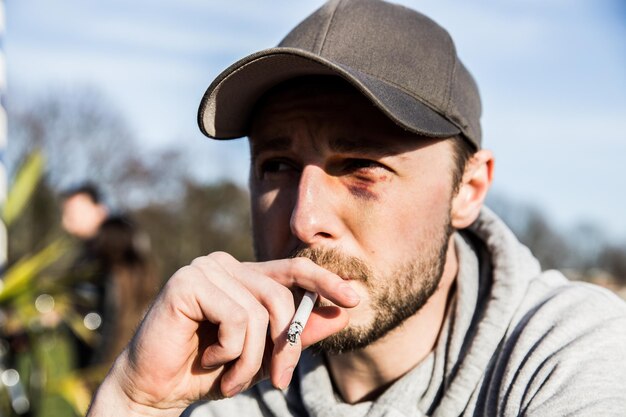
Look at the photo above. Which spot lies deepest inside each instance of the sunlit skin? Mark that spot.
(328, 171)
(331, 171)
(306, 193)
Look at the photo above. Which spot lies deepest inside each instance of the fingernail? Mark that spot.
(235, 391)
(348, 292)
(285, 378)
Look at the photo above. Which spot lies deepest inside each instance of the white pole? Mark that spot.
(3, 141)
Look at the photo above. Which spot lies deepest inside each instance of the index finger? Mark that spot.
(306, 274)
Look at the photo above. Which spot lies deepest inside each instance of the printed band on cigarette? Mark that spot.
(301, 317)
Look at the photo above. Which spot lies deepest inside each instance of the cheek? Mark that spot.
(412, 218)
(431, 213)
(265, 209)
(270, 222)
(436, 201)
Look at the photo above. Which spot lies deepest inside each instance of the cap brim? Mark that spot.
(225, 108)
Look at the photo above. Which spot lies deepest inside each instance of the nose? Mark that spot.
(316, 217)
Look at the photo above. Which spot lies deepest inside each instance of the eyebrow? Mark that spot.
(363, 145)
(360, 145)
(349, 145)
(280, 143)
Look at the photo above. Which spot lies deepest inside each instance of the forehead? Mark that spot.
(334, 111)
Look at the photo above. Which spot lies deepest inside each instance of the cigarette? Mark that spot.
(301, 317)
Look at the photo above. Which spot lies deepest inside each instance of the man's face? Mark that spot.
(334, 180)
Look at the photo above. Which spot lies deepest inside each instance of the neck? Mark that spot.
(364, 374)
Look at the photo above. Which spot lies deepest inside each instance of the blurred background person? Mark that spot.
(82, 214)
(130, 282)
(83, 211)
(112, 278)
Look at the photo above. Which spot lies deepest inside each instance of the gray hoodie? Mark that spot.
(516, 342)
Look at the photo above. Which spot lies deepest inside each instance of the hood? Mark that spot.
(495, 271)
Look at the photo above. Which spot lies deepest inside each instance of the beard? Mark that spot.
(394, 297)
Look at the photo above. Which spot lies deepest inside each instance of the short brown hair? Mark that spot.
(462, 151)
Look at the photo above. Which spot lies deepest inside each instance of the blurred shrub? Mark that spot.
(35, 364)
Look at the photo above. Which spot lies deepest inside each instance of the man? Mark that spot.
(367, 184)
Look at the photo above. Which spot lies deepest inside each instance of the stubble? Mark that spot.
(393, 298)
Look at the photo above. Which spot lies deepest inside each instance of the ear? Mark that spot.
(470, 197)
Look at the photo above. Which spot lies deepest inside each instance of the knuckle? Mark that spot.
(262, 315)
(239, 317)
(231, 349)
(200, 260)
(298, 265)
(181, 276)
(277, 297)
(281, 310)
(182, 273)
(221, 257)
(283, 296)
(257, 315)
(212, 259)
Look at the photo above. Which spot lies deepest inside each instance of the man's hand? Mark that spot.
(206, 335)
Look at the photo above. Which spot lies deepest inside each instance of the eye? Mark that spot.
(275, 167)
(362, 165)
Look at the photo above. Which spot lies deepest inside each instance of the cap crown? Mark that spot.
(398, 46)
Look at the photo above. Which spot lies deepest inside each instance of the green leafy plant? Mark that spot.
(26, 180)
(36, 359)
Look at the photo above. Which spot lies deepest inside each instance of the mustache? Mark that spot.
(347, 267)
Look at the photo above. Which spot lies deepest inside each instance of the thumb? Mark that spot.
(323, 322)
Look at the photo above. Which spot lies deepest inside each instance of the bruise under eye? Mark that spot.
(363, 192)
(365, 176)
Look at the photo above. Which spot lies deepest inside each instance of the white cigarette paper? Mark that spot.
(301, 317)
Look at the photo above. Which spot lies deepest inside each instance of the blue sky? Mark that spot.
(552, 74)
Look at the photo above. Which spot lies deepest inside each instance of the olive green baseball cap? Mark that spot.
(404, 62)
